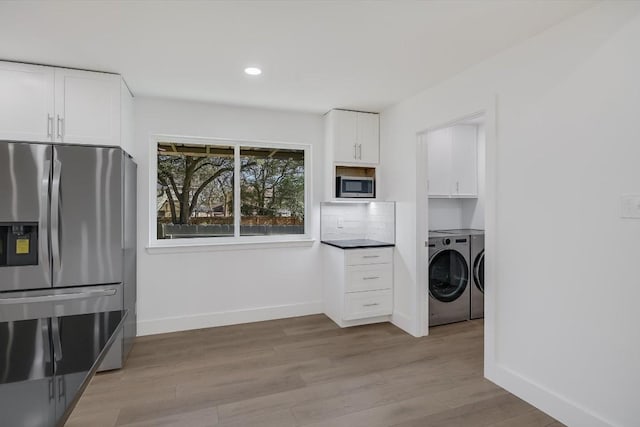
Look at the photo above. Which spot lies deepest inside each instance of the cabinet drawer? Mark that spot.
(368, 256)
(368, 277)
(360, 305)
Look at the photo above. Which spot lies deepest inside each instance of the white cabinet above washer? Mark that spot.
(452, 162)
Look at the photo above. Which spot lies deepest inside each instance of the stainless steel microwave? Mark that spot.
(355, 186)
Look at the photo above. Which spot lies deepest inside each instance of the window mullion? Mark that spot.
(236, 191)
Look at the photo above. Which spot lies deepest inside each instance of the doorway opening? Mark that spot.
(452, 194)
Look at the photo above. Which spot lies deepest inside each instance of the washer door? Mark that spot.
(448, 275)
(478, 271)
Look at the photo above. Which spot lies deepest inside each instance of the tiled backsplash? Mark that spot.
(358, 220)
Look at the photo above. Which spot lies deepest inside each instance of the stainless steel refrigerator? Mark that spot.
(68, 234)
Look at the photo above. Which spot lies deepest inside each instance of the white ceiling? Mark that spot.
(315, 55)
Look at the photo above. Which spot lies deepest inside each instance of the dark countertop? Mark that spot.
(43, 373)
(357, 244)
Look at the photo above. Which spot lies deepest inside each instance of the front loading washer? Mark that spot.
(449, 277)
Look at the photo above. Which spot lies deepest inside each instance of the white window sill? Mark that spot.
(168, 246)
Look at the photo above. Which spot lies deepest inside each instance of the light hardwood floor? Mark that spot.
(305, 372)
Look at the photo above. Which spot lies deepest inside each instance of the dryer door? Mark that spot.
(478, 271)
(448, 275)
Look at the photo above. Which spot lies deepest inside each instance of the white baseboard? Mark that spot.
(557, 406)
(404, 322)
(234, 317)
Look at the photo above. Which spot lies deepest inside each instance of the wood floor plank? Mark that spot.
(483, 413)
(305, 371)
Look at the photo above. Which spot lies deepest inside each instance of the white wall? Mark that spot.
(562, 323)
(187, 289)
(346, 221)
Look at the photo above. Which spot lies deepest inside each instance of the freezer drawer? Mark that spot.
(59, 302)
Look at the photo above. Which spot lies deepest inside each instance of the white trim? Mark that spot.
(558, 406)
(404, 322)
(236, 192)
(230, 246)
(237, 240)
(222, 318)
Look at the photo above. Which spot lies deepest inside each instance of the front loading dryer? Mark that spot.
(477, 271)
(449, 278)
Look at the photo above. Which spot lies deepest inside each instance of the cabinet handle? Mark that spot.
(371, 256)
(457, 186)
(371, 305)
(371, 278)
(59, 127)
(49, 125)
(355, 151)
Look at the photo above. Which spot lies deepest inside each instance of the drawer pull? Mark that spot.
(371, 278)
(371, 256)
(371, 305)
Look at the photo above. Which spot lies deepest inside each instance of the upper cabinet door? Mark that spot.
(439, 163)
(464, 159)
(26, 103)
(87, 107)
(344, 132)
(368, 137)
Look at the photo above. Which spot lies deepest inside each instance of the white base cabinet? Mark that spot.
(358, 285)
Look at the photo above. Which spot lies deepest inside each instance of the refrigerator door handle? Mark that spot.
(45, 341)
(55, 216)
(55, 335)
(58, 297)
(44, 218)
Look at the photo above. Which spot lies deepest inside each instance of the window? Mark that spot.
(271, 191)
(198, 197)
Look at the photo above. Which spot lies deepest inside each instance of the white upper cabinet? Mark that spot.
(368, 137)
(439, 162)
(344, 134)
(452, 162)
(464, 161)
(47, 104)
(354, 136)
(87, 107)
(26, 102)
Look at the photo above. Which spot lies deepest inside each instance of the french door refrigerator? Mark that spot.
(68, 234)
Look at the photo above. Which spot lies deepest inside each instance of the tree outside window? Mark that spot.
(195, 191)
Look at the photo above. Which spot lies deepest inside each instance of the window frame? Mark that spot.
(237, 240)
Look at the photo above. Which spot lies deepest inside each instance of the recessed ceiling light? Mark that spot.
(253, 71)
